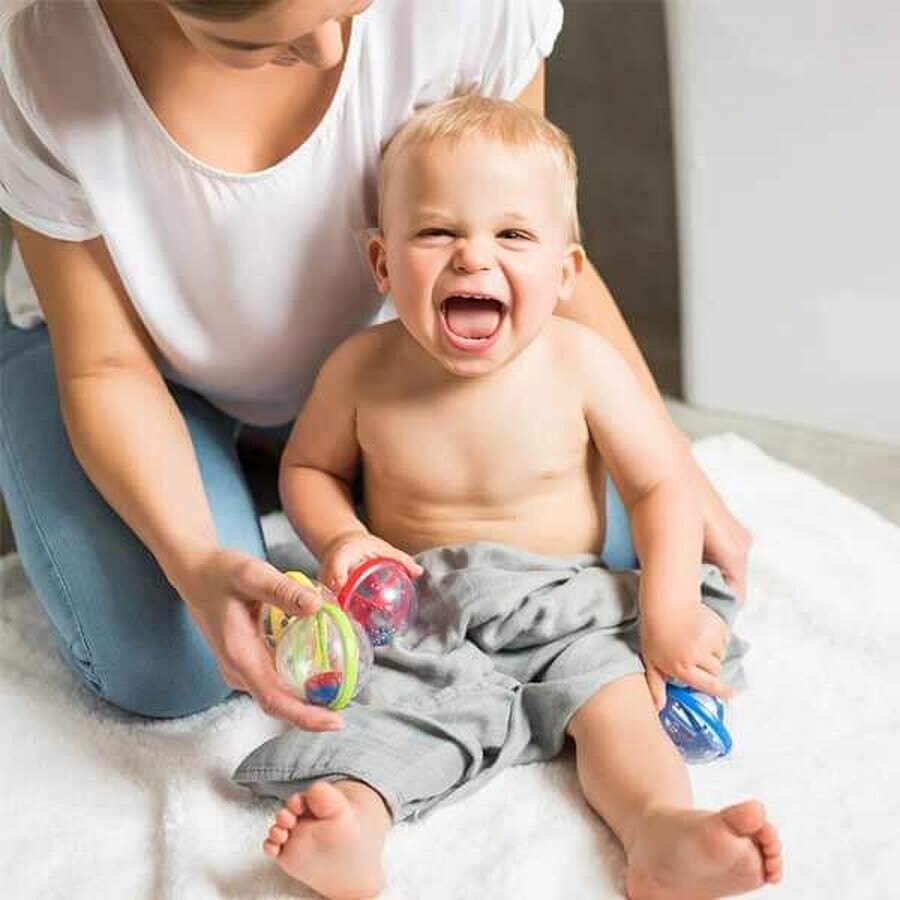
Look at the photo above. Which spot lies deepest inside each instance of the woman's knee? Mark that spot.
(119, 624)
(157, 666)
(147, 688)
(136, 649)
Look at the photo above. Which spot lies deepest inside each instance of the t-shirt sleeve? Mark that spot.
(438, 48)
(35, 187)
(521, 36)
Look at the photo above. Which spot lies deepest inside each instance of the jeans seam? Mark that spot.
(90, 667)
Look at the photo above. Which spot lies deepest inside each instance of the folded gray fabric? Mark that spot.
(506, 647)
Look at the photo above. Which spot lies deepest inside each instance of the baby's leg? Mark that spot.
(633, 777)
(331, 838)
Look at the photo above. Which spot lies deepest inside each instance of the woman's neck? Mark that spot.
(238, 120)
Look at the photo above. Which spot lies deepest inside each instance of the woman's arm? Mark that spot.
(106, 372)
(726, 541)
(133, 443)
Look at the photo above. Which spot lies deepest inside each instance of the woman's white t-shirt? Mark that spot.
(246, 282)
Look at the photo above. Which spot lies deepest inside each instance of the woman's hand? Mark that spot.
(347, 551)
(224, 591)
(686, 643)
(726, 543)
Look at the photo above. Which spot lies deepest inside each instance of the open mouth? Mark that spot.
(472, 321)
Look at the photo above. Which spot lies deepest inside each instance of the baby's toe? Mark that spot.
(278, 835)
(295, 804)
(285, 818)
(271, 849)
(774, 868)
(768, 834)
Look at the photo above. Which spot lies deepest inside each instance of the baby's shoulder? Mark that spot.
(576, 346)
(364, 353)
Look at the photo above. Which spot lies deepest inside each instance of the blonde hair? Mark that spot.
(509, 123)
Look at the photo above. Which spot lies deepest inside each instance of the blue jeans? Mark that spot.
(117, 621)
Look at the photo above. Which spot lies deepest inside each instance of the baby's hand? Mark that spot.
(686, 643)
(346, 552)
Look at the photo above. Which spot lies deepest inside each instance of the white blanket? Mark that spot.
(96, 805)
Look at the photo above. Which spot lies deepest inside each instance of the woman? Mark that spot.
(187, 180)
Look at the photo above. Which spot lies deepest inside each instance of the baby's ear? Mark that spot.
(376, 255)
(572, 266)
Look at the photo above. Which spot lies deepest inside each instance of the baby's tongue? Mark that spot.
(472, 318)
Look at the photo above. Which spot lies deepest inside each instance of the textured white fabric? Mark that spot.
(246, 282)
(95, 805)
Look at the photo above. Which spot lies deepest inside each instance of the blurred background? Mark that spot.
(739, 192)
(608, 87)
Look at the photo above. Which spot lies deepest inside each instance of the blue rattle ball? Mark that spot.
(696, 723)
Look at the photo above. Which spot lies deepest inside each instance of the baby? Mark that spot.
(484, 429)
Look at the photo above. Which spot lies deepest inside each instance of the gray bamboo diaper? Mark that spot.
(507, 646)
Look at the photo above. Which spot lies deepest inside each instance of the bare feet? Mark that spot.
(330, 838)
(690, 855)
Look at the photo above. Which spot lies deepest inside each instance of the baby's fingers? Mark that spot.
(710, 663)
(656, 682)
(405, 560)
(334, 571)
(703, 681)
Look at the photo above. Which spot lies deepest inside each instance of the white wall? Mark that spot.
(787, 129)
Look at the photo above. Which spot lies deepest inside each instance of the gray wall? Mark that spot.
(608, 88)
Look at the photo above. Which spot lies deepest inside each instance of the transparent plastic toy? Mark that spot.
(273, 622)
(696, 723)
(378, 593)
(381, 596)
(325, 658)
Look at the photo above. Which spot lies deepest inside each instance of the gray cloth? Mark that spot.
(507, 646)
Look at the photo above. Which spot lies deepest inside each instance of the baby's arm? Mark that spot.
(321, 462)
(680, 637)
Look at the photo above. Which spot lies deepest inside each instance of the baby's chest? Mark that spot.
(493, 452)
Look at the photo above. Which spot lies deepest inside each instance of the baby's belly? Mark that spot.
(555, 523)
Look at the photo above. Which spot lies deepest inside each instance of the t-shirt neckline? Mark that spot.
(115, 53)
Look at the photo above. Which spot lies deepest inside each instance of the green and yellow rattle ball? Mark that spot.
(326, 657)
(273, 622)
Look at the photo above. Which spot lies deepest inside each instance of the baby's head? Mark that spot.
(479, 237)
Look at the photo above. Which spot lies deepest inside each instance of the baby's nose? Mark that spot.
(471, 257)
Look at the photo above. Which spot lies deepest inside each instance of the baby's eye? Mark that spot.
(435, 232)
(514, 234)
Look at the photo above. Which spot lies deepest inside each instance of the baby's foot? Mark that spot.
(690, 855)
(319, 839)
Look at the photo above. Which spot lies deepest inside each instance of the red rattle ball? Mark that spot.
(380, 595)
